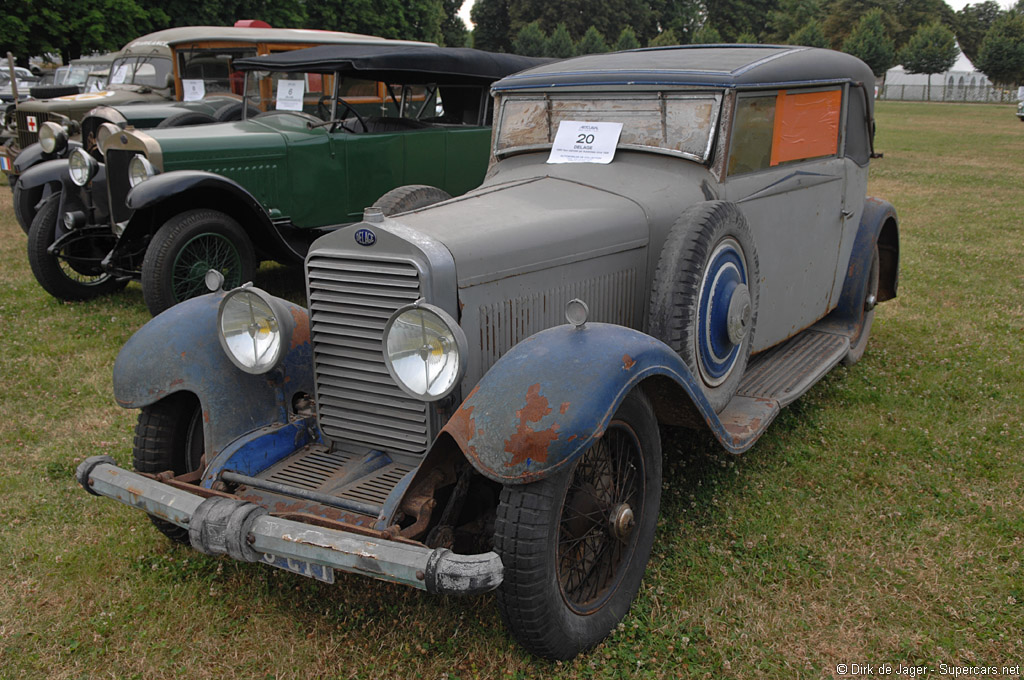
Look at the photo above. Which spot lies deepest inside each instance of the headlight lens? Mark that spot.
(52, 137)
(103, 133)
(255, 329)
(425, 350)
(82, 167)
(139, 170)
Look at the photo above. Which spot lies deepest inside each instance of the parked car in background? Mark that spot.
(73, 78)
(699, 216)
(348, 122)
(178, 76)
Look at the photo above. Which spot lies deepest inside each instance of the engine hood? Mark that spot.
(149, 114)
(75, 106)
(531, 224)
(219, 144)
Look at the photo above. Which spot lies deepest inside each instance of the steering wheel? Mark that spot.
(324, 112)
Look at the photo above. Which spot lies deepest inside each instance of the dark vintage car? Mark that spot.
(326, 132)
(698, 216)
(171, 78)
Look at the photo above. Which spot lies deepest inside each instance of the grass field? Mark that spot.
(880, 520)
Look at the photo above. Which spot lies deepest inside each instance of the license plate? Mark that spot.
(301, 567)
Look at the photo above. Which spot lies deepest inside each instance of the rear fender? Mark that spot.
(159, 198)
(552, 396)
(878, 224)
(178, 351)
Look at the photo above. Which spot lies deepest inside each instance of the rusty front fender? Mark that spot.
(178, 351)
(552, 395)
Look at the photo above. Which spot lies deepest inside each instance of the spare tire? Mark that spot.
(410, 197)
(186, 118)
(704, 296)
(233, 111)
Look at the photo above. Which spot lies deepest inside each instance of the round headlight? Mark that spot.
(425, 350)
(52, 137)
(103, 133)
(82, 167)
(139, 170)
(255, 329)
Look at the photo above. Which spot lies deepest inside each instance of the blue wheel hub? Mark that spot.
(724, 312)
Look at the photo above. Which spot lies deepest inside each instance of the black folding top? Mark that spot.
(396, 63)
(713, 65)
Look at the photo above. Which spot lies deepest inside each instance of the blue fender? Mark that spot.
(183, 187)
(878, 224)
(550, 397)
(33, 154)
(178, 351)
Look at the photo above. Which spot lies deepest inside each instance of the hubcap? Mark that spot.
(723, 312)
(622, 521)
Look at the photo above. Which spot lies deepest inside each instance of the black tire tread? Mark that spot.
(158, 434)
(521, 536)
(25, 201)
(45, 268)
(410, 197)
(156, 290)
(675, 286)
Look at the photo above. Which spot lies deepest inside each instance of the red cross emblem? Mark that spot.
(33, 126)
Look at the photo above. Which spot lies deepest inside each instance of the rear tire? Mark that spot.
(859, 343)
(74, 273)
(185, 248)
(169, 436)
(573, 558)
(410, 197)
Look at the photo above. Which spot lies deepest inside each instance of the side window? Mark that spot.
(771, 130)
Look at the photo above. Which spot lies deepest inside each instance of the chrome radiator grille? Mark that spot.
(350, 302)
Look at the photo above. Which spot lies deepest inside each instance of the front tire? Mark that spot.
(25, 202)
(575, 545)
(185, 248)
(73, 273)
(169, 436)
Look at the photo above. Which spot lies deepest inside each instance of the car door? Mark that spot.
(785, 173)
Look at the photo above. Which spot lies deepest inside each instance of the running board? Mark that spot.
(776, 378)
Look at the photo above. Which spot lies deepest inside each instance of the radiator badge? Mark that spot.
(365, 237)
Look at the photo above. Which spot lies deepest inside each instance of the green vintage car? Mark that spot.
(336, 128)
(170, 78)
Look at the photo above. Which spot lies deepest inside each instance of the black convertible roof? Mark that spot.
(406, 63)
(733, 66)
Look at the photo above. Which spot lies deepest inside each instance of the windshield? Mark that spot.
(312, 93)
(207, 70)
(149, 70)
(77, 75)
(676, 124)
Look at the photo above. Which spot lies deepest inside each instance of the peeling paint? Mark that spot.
(627, 362)
(525, 443)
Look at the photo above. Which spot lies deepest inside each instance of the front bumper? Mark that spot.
(246, 532)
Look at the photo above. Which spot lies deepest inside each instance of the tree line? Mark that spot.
(921, 34)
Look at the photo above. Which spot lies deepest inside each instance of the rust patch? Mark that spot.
(300, 336)
(564, 407)
(627, 362)
(206, 416)
(179, 381)
(525, 442)
(182, 355)
(462, 425)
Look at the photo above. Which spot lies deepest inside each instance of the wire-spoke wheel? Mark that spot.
(575, 545)
(185, 249)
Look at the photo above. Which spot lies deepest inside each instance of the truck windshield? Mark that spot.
(152, 71)
(676, 124)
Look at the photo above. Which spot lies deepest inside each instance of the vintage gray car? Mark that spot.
(697, 214)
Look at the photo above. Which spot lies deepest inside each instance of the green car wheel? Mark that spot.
(186, 247)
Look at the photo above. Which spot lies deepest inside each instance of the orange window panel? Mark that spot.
(806, 125)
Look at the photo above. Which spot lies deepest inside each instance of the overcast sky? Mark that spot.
(955, 4)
